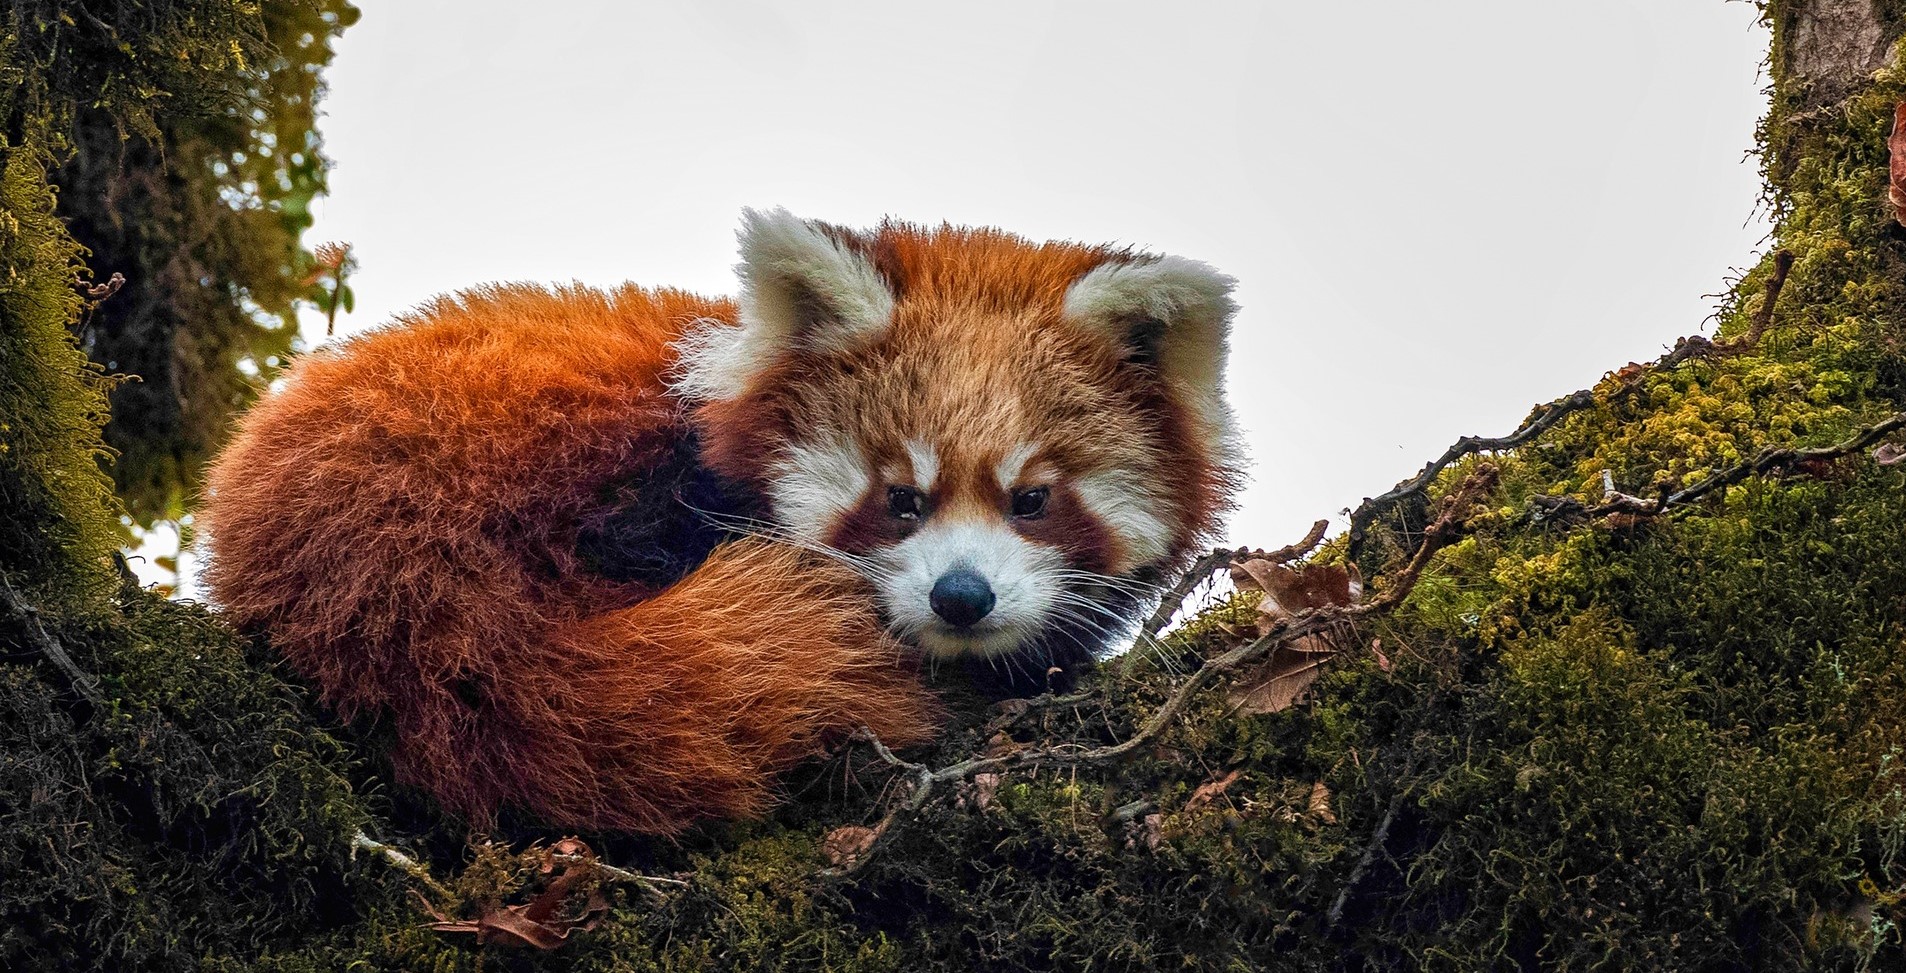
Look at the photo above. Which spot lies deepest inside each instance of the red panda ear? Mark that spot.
(1171, 314)
(802, 285)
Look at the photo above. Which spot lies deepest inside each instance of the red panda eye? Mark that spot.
(1030, 504)
(906, 503)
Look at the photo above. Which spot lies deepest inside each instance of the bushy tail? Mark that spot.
(683, 707)
(403, 520)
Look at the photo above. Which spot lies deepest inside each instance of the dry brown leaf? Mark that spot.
(1154, 830)
(1889, 454)
(844, 846)
(1282, 681)
(1211, 790)
(984, 787)
(546, 921)
(1383, 661)
(1000, 744)
(1896, 146)
(1320, 804)
(1292, 590)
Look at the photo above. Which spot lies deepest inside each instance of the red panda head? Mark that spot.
(1010, 439)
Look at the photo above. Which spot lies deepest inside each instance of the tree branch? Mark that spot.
(1544, 419)
(1690, 347)
(1766, 461)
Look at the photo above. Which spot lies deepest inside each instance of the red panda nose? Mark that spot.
(961, 597)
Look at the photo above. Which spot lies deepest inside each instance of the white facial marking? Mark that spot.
(1123, 503)
(1023, 576)
(816, 482)
(1013, 464)
(926, 464)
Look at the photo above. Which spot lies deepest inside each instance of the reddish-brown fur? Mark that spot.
(403, 519)
(980, 354)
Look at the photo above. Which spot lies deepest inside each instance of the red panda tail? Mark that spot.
(685, 706)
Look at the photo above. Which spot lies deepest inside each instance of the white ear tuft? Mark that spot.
(800, 286)
(1182, 308)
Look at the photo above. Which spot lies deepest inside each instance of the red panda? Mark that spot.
(620, 558)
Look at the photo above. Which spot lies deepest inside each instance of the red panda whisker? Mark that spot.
(1127, 585)
(770, 531)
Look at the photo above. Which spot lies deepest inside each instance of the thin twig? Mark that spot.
(1544, 418)
(1369, 855)
(1766, 461)
(406, 864)
(82, 682)
(416, 869)
(1690, 347)
(1764, 317)
(618, 874)
(1201, 571)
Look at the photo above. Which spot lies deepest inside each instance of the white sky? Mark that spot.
(1439, 213)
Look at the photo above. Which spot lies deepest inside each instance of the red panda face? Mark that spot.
(1007, 439)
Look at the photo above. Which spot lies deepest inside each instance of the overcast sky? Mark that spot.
(1439, 213)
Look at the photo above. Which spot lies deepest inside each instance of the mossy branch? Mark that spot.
(1766, 461)
(418, 871)
(1545, 417)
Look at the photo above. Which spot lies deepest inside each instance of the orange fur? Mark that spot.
(403, 519)
(483, 524)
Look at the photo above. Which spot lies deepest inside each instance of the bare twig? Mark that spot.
(1199, 572)
(404, 863)
(1766, 461)
(1543, 419)
(618, 874)
(1685, 349)
(1764, 317)
(28, 616)
(416, 869)
(1369, 855)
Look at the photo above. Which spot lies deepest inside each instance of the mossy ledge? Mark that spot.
(1666, 742)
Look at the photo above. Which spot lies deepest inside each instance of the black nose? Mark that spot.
(961, 597)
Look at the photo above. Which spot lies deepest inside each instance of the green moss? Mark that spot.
(59, 522)
(1672, 743)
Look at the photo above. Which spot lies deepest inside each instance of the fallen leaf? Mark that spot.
(845, 845)
(1211, 790)
(1000, 744)
(979, 791)
(546, 921)
(1383, 661)
(1292, 590)
(1896, 146)
(1889, 454)
(1320, 804)
(984, 787)
(1282, 680)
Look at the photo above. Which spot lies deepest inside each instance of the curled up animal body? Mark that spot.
(619, 558)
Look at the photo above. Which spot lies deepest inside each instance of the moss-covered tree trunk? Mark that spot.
(1627, 694)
